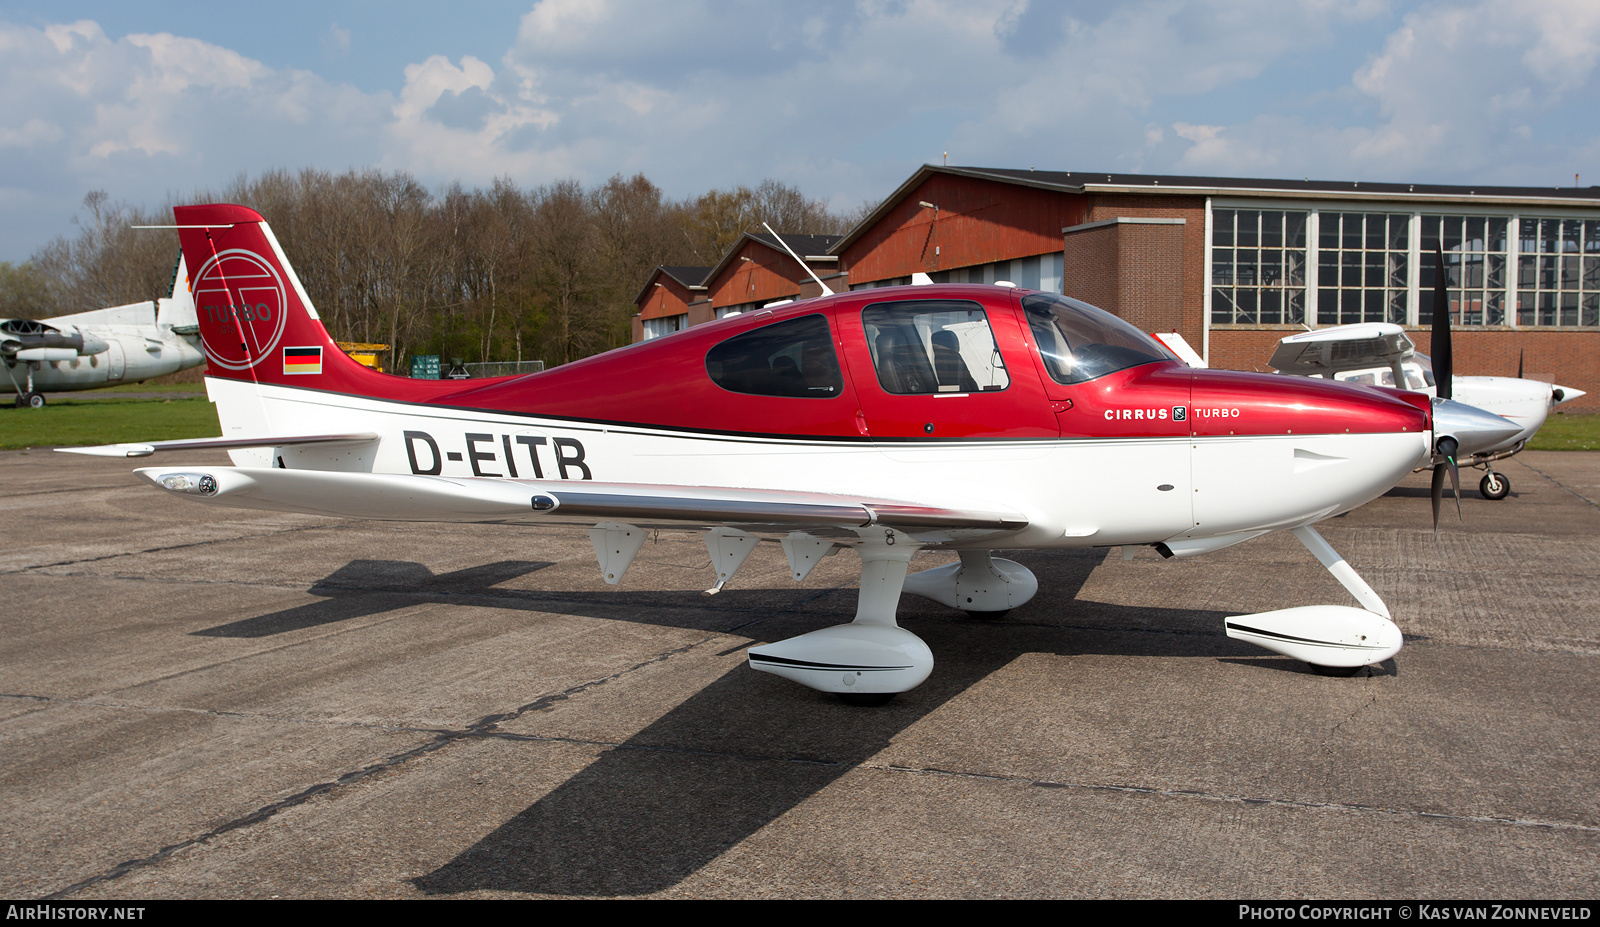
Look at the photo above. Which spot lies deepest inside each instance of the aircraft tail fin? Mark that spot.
(256, 321)
(177, 310)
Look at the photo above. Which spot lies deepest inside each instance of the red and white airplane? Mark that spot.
(964, 418)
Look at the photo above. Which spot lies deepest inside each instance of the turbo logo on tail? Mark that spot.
(242, 303)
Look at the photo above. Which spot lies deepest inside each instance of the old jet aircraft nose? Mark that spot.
(1472, 428)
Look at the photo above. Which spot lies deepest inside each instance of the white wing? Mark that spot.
(406, 497)
(1346, 347)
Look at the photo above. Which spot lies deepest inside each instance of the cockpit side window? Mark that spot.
(933, 346)
(793, 358)
(1078, 342)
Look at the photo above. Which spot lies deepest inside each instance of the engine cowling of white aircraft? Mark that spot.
(44, 343)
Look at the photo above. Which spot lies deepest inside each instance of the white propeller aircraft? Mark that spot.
(962, 418)
(1381, 353)
(104, 347)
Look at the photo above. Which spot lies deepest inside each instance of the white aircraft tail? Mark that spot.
(177, 310)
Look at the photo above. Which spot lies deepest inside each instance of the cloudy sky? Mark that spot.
(842, 99)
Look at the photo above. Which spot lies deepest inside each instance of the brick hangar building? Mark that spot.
(1231, 264)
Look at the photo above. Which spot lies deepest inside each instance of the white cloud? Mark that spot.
(33, 133)
(337, 40)
(151, 114)
(1455, 92)
(841, 98)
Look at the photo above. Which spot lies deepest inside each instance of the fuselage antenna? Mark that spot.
(826, 290)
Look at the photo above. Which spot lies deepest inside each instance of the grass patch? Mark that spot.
(1568, 431)
(150, 386)
(180, 413)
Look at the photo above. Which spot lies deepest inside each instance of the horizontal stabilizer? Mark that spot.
(216, 444)
(406, 497)
(1179, 345)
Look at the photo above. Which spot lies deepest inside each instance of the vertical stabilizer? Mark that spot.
(256, 321)
(177, 310)
(258, 326)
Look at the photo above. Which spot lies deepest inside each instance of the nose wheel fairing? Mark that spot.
(1333, 636)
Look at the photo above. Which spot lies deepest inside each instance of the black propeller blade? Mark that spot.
(1443, 378)
(1443, 364)
(1520, 353)
(1447, 449)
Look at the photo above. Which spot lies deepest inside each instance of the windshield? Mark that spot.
(1079, 342)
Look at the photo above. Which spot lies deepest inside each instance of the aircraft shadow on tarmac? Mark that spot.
(748, 749)
(371, 587)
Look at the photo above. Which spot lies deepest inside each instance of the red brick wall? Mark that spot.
(1157, 264)
(1086, 256)
(1134, 270)
(701, 312)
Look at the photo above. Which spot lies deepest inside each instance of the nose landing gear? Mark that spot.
(1494, 486)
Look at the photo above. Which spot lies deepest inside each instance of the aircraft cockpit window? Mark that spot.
(933, 346)
(793, 358)
(1424, 365)
(1079, 342)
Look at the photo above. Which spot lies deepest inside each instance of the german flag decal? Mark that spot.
(302, 360)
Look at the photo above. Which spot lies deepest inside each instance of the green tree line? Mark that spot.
(502, 273)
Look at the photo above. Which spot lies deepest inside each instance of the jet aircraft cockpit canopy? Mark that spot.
(1079, 342)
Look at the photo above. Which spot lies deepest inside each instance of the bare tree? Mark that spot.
(25, 292)
(489, 273)
(109, 262)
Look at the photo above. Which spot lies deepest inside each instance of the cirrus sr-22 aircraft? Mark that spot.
(963, 418)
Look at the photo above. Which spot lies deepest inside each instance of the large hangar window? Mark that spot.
(1327, 266)
(1558, 272)
(1475, 249)
(1258, 266)
(1362, 259)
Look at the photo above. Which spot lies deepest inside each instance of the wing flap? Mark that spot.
(405, 497)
